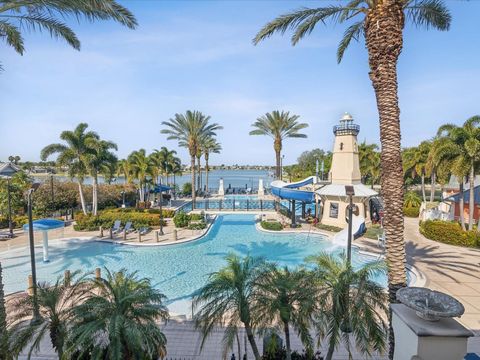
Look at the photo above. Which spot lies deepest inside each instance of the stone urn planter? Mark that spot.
(430, 305)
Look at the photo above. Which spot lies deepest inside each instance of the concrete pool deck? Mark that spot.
(450, 269)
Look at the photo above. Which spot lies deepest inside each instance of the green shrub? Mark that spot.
(412, 199)
(107, 218)
(17, 220)
(197, 226)
(449, 233)
(271, 225)
(167, 213)
(410, 211)
(373, 232)
(181, 219)
(187, 188)
(196, 217)
(330, 228)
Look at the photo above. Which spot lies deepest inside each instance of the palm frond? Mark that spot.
(429, 13)
(353, 32)
(12, 36)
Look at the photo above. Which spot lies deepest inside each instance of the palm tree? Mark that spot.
(56, 303)
(124, 169)
(381, 23)
(351, 303)
(99, 159)
(211, 146)
(416, 162)
(163, 159)
(73, 154)
(227, 298)
(412, 199)
(189, 129)
(369, 161)
(42, 15)
(461, 146)
(119, 320)
(286, 298)
(4, 353)
(279, 126)
(176, 169)
(142, 168)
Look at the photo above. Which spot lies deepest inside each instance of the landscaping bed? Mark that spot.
(449, 233)
(106, 219)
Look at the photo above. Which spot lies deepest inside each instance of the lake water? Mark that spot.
(233, 178)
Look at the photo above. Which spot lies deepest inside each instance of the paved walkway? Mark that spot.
(449, 269)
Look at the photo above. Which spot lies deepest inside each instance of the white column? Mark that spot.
(45, 246)
(445, 339)
(221, 190)
(261, 190)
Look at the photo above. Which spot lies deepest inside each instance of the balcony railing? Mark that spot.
(346, 129)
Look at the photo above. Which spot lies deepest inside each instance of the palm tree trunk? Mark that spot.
(424, 197)
(287, 341)
(3, 321)
(199, 187)
(384, 40)
(94, 195)
(277, 166)
(251, 340)
(433, 183)
(461, 204)
(471, 201)
(239, 347)
(82, 197)
(192, 168)
(206, 172)
(331, 349)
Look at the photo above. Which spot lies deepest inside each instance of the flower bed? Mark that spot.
(271, 225)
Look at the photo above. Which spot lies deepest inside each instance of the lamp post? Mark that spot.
(349, 190)
(9, 195)
(36, 312)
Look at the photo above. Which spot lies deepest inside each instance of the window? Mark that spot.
(334, 210)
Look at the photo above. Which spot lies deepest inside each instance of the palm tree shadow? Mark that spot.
(440, 261)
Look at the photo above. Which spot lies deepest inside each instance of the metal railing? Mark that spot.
(234, 205)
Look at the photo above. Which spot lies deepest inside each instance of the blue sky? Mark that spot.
(198, 55)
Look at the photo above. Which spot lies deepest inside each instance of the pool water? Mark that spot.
(177, 270)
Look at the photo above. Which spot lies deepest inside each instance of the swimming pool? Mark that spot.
(177, 270)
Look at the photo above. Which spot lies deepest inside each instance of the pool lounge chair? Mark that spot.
(128, 227)
(116, 228)
(5, 235)
(144, 230)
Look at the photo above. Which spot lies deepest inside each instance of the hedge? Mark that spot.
(18, 221)
(449, 233)
(330, 228)
(167, 213)
(106, 219)
(271, 225)
(182, 220)
(410, 211)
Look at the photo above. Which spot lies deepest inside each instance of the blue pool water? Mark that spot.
(177, 270)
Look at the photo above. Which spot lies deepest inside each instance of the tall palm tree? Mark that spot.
(176, 169)
(73, 154)
(163, 158)
(124, 169)
(351, 303)
(461, 145)
(227, 298)
(142, 168)
(286, 298)
(381, 23)
(279, 125)
(369, 161)
(189, 129)
(119, 320)
(48, 15)
(210, 146)
(99, 159)
(56, 303)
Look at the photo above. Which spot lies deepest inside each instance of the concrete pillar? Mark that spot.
(139, 236)
(157, 239)
(98, 273)
(174, 234)
(101, 231)
(293, 215)
(416, 338)
(45, 246)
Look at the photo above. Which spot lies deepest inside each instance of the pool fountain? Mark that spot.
(45, 225)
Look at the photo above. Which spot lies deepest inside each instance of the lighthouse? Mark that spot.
(345, 170)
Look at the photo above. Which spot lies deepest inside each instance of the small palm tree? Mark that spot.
(176, 169)
(16, 16)
(99, 159)
(56, 303)
(119, 320)
(369, 161)
(352, 305)
(142, 168)
(279, 126)
(210, 146)
(286, 298)
(189, 130)
(228, 296)
(73, 154)
(412, 199)
(416, 161)
(460, 146)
